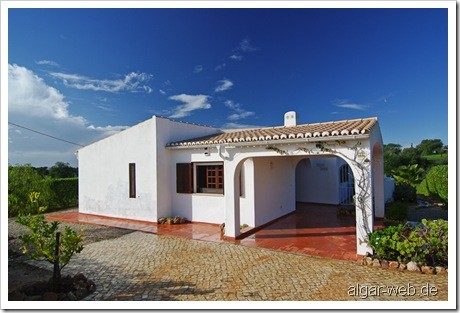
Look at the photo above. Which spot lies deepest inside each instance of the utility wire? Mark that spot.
(35, 131)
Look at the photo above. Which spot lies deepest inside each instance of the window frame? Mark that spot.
(219, 191)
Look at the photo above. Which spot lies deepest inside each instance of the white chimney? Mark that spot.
(290, 118)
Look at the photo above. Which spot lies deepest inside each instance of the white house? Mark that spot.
(161, 168)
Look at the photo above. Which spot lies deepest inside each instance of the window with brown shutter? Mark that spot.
(132, 180)
(210, 178)
(184, 178)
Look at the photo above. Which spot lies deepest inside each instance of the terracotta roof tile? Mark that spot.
(327, 129)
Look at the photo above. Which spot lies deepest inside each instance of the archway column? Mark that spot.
(232, 203)
(364, 211)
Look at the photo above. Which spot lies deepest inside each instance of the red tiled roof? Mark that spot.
(327, 129)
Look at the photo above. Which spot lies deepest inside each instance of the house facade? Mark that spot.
(161, 168)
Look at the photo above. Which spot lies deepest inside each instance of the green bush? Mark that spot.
(23, 180)
(435, 183)
(405, 193)
(383, 242)
(426, 243)
(65, 192)
(397, 211)
(41, 242)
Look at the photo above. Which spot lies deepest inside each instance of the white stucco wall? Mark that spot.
(247, 201)
(317, 180)
(274, 188)
(104, 174)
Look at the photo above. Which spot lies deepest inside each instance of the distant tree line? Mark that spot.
(58, 170)
(396, 156)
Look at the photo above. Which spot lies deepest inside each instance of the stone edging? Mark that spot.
(411, 266)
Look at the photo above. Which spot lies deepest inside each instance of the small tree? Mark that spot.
(44, 242)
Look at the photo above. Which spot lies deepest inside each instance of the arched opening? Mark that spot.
(324, 180)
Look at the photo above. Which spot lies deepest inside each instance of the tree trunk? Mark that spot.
(57, 269)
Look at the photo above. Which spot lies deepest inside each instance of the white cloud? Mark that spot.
(352, 106)
(162, 92)
(225, 84)
(236, 57)
(47, 62)
(246, 46)
(132, 82)
(239, 112)
(105, 108)
(239, 116)
(220, 66)
(34, 104)
(238, 126)
(191, 103)
(198, 69)
(232, 105)
(346, 104)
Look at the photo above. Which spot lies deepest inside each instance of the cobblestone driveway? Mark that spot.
(140, 266)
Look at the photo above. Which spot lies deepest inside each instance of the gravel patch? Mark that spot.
(91, 233)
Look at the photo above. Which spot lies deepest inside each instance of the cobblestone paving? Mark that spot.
(140, 266)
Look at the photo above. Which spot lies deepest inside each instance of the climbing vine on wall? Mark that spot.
(277, 150)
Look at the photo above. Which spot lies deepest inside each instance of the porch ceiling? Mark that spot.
(335, 130)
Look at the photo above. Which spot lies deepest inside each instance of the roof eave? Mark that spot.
(273, 142)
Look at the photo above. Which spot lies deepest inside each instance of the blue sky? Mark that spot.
(83, 74)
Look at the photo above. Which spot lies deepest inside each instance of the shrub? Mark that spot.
(405, 193)
(384, 241)
(23, 180)
(426, 243)
(65, 192)
(435, 183)
(397, 211)
(42, 242)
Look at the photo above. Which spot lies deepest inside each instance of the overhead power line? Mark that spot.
(43, 134)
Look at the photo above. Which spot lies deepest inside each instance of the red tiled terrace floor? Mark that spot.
(312, 229)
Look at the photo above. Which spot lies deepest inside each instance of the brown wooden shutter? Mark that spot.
(132, 180)
(184, 178)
